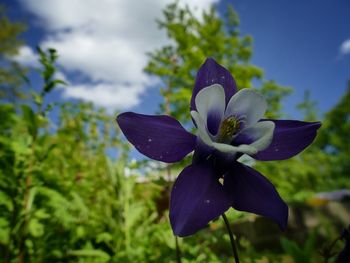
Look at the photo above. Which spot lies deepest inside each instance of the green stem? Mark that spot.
(233, 245)
(327, 253)
(178, 252)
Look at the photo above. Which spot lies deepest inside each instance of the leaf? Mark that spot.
(90, 253)
(4, 231)
(6, 201)
(35, 228)
(104, 237)
(30, 120)
(41, 214)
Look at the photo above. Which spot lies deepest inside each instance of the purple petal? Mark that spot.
(252, 192)
(344, 255)
(201, 151)
(197, 198)
(160, 138)
(213, 121)
(242, 138)
(290, 138)
(210, 73)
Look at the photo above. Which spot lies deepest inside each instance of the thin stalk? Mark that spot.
(28, 185)
(177, 247)
(233, 245)
(327, 253)
(178, 252)
(168, 168)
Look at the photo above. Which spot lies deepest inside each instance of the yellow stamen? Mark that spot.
(228, 128)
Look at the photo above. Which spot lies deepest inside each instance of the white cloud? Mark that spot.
(110, 96)
(99, 57)
(61, 76)
(345, 47)
(26, 56)
(105, 41)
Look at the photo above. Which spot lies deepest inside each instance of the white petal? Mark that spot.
(227, 148)
(261, 133)
(247, 103)
(201, 128)
(222, 147)
(211, 99)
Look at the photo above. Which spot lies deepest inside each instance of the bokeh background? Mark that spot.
(71, 187)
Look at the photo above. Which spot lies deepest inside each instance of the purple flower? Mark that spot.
(344, 255)
(229, 124)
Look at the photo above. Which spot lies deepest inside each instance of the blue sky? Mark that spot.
(297, 43)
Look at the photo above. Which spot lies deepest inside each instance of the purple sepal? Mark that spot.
(201, 152)
(290, 137)
(197, 198)
(160, 138)
(252, 192)
(344, 255)
(211, 73)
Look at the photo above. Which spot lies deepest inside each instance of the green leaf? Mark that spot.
(35, 228)
(104, 237)
(6, 201)
(30, 120)
(4, 231)
(90, 253)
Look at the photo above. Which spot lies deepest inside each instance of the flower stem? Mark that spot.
(178, 252)
(327, 252)
(233, 245)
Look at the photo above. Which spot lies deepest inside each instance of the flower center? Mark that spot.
(229, 127)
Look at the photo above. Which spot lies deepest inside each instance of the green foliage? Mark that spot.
(47, 61)
(62, 198)
(334, 139)
(337, 122)
(30, 120)
(9, 43)
(274, 94)
(10, 72)
(308, 107)
(302, 254)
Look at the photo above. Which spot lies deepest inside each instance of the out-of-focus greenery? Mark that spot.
(64, 197)
(10, 71)
(301, 254)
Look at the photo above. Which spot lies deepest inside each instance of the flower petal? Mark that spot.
(211, 73)
(247, 103)
(344, 255)
(197, 198)
(258, 136)
(160, 138)
(202, 130)
(229, 149)
(252, 192)
(210, 103)
(289, 138)
(201, 152)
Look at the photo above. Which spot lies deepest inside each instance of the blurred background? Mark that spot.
(72, 189)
